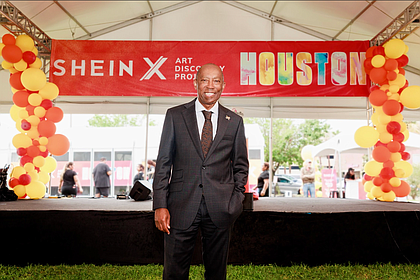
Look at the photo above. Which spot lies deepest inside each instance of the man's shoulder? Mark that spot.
(232, 115)
(182, 106)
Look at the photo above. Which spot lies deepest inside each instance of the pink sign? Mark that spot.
(329, 181)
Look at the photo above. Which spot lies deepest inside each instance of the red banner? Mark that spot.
(167, 68)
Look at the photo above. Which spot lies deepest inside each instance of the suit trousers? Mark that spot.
(179, 248)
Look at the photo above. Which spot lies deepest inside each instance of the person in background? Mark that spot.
(69, 182)
(349, 176)
(101, 174)
(151, 165)
(263, 180)
(308, 178)
(140, 173)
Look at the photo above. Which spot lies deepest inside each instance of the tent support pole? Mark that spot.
(147, 132)
(270, 148)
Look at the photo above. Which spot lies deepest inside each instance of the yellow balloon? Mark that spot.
(23, 114)
(385, 137)
(395, 157)
(37, 64)
(403, 126)
(20, 190)
(368, 186)
(378, 61)
(373, 168)
(406, 134)
(397, 118)
(306, 152)
(405, 166)
(381, 128)
(370, 196)
(394, 89)
(389, 196)
(376, 192)
(42, 148)
(384, 118)
(34, 175)
(35, 51)
(33, 132)
(39, 111)
(50, 165)
(21, 65)
(29, 167)
(399, 173)
(375, 118)
(36, 190)
(35, 99)
(43, 141)
(33, 79)
(366, 136)
(17, 171)
(19, 127)
(394, 96)
(395, 182)
(410, 97)
(44, 177)
(394, 48)
(319, 194)
(24, 42)
(14, 112)
(39, 161)
(21, 141)
(49, 91)
(33, 120)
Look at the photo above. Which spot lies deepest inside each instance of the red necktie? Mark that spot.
(207, 133)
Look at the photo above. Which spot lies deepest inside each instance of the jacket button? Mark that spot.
(203, 167)
(200, 185)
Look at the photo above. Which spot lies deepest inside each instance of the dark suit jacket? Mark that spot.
(183, 176)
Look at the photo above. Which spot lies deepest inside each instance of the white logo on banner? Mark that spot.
(154, 68)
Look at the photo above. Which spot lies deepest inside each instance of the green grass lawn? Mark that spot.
(88, 271)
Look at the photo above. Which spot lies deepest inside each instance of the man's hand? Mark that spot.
(162, 219)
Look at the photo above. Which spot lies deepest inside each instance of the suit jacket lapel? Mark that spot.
(222, 125)
(190, 120)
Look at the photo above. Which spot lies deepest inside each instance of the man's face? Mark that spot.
(209, 85)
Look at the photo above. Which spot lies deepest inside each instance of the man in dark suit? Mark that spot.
(196, 189)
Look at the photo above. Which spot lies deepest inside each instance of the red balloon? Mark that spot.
(386, 187)
(401, 108)
(399, 137)
(44, 154)
(402, 60)
(401, 70)
(25, 125)
(379, 50)
(32, 151)
(381, 154)
(58, 144)
(368, 65)
(394, 146)
(13, 182)
(35, 142)
(367, 177)
(8, 39)
(403, 190)
(379, 143)
(387, 173)
(11, 53)
(378, 97)
(54, 114)
(24, 179)
(25, 159)
(391, 64)
(46, 128)
(15, 82)
(405, 156)
(29, 57)
(388, 163)
(393, 127)
(391, 75)
(47, 104)
(378, 75)
(30, 109)
(402, 149)
(374, 87)
(391, 107)
(369, 52)
(377, 181)
(21, 151)
(20, 98)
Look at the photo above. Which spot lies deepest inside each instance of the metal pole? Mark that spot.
(270, 148)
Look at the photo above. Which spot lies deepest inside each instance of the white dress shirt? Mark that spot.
(200, 116)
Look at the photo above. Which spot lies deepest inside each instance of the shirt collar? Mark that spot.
(199, 107)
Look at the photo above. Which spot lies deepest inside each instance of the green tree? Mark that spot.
(289, 138)
(414, 181)
(118, 120)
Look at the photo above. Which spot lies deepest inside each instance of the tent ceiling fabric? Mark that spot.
(218, 21)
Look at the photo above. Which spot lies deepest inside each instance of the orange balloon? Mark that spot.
(403, 190)
(381, 154)
(58, 144)
(54, 114)
(46, 128)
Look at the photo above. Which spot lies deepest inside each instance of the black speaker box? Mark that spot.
(248, 202)
(140, 191)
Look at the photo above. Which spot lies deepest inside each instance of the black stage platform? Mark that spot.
(279, 231)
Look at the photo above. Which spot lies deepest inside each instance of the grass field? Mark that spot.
(88, 271)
